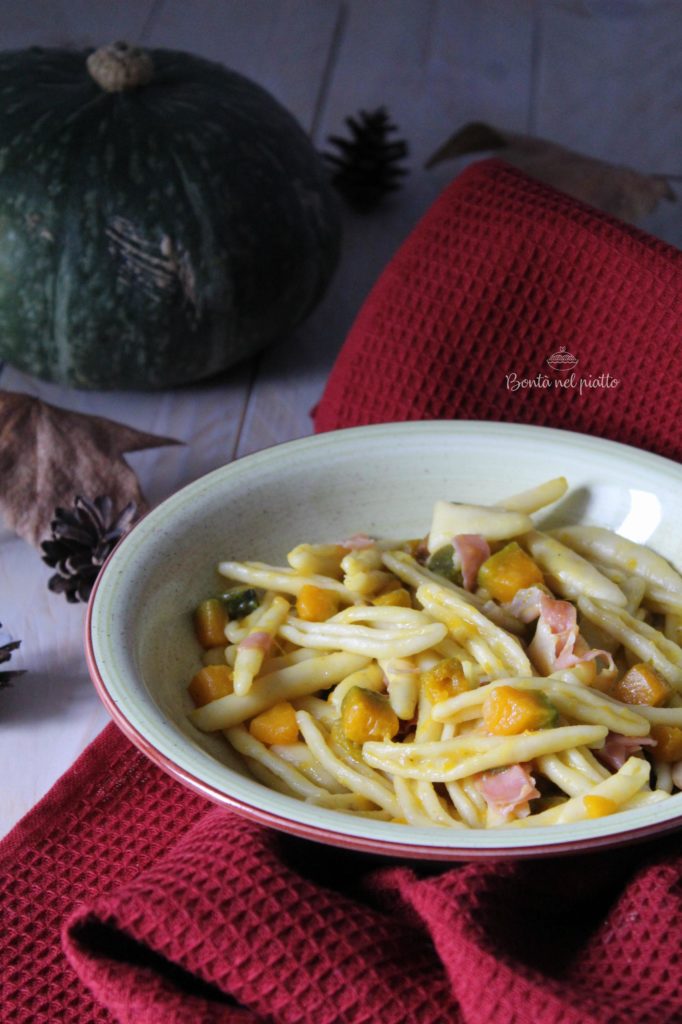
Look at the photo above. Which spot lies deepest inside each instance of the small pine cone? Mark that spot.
(366, 167)
(6, 650)
(82, 538)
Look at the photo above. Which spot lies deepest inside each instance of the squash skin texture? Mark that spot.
(153, 237)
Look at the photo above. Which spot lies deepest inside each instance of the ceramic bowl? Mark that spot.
(381, 480)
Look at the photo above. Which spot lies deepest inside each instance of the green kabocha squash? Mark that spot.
(161, 217)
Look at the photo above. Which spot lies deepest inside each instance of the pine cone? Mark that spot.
(5, 655)
(82, 538)
(366, 168)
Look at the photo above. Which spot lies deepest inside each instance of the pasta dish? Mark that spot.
(489, 675)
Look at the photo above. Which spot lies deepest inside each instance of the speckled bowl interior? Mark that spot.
(382, 480)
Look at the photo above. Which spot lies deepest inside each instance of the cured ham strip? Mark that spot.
(507, 792)
(557, 644)
(560, 616)
(472, 550)
(357, 542)
(258, 641)
(525, 605)
(618, 748)
(402, 683)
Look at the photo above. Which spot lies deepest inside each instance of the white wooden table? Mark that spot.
(602, 76)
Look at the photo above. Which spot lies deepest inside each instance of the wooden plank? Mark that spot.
(73, 23)
(205, 417)
(435, 65)
(283, 46)
(54, 709)
(248, 36)
(301, 35)
(609, 80)
(50, 714)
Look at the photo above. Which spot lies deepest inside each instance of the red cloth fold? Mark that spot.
(171, 910)
(501, 274)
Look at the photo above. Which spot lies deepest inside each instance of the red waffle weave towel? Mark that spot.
(127, 898)
(501, 275)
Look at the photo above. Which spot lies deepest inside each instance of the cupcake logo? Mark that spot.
(562, 360)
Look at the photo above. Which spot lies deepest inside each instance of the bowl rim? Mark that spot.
(320, 833)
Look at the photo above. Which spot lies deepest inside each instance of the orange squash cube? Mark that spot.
(210, 620)
(276, 725)
(508, 711)
(668, 743)
(642, 685)
(210, 683)
(315, 604)
(508, 570)
(444, 680)
(599, 806)
(366, 715)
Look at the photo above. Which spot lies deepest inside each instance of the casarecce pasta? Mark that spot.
(489, 675)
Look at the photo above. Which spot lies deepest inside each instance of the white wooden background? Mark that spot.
(603, 76)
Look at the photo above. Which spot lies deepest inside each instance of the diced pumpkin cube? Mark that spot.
(508, 711)
(276, 725)
(315, 604)
(442, 562)
(240, 602)
(398, 598)
(445, 680)
(210, 683)
(668, 743)
(210, 619)
(641, 684)
(510, 569)
(366, 715)
(599, 806)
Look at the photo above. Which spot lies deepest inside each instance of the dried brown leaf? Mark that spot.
(49, 455)
(620, 191)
